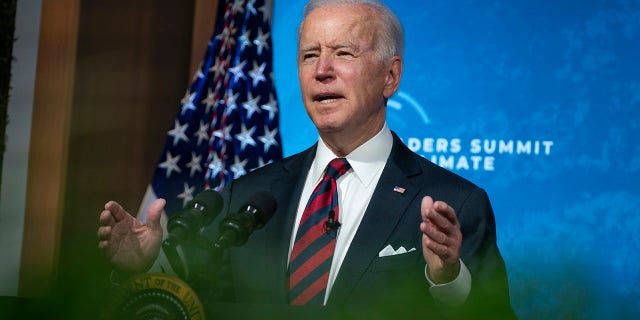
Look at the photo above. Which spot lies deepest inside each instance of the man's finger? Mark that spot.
(106, 219)
(439, 221)
(440, 250)
(103, 244)
(425, 206)
(104, 233)
(434, 233)
(154, 213)
(116, 210)
(446, 210)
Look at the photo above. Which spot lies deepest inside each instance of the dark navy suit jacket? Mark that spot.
(368, 286)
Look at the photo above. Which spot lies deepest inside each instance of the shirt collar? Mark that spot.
(366, 160)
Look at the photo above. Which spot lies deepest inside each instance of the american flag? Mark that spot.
(228, 121)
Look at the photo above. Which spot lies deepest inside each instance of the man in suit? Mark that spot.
(412, 238)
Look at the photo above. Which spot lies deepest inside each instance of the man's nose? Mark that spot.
(324, 68)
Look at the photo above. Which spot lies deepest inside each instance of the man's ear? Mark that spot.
(394, 73)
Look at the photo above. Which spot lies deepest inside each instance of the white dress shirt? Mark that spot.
(358, 185)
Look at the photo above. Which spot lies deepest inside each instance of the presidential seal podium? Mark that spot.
(156, 296)
(161, 296)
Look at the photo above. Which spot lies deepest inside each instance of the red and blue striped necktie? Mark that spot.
(315, 242)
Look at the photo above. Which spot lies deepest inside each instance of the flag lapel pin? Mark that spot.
(399, 190)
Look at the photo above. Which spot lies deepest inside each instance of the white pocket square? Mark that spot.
(389, 251)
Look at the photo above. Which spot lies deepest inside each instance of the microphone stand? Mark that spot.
(199, 262)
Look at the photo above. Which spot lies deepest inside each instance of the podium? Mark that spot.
(163, 296)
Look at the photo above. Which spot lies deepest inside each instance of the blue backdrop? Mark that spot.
(538, 103)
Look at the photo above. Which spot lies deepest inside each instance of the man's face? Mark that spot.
(344, 81)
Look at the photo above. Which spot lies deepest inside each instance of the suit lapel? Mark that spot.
(287, 189)
(383, 213)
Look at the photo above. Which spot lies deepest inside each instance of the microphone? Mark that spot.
(236, 227)
(331, 225)
(200, 212)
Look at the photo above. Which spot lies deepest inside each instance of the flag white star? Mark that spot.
(238, 6)
(187, 194)
(269, 138)
(179, 132)
(261, 41)
(251, 105)
(194, 165)
(215, 166)
(271, 107)
(203, 132)
(245, 137)
(266, 11)
(244, 39)
(226, 37)
(238, 167)
(231, 102)
(187, 102)
(257, 73)
(170, 164)
(218, 67)
(199, 74)
(224, 34)
(251, 7)
(237, 71)
(210, 100)
(224, 134)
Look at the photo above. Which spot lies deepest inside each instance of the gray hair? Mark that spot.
(391, 41)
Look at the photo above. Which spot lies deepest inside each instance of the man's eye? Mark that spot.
(308, 56)
(345, 54)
